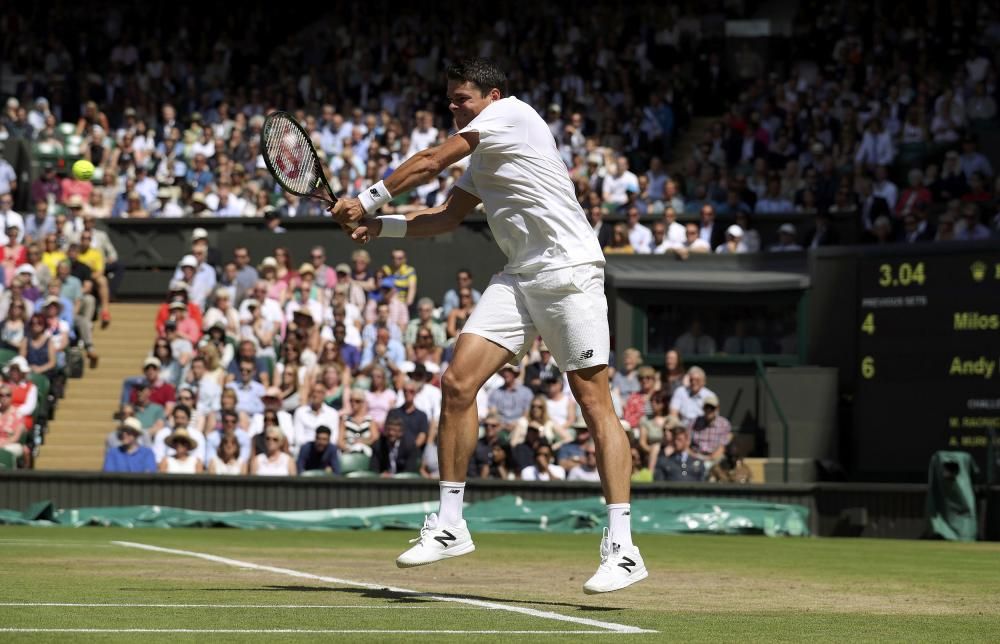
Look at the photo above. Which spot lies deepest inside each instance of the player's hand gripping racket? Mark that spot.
(292, 160)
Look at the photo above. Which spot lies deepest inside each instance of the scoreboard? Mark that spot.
(927, 357)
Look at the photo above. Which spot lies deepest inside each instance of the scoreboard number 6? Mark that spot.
(868, 367)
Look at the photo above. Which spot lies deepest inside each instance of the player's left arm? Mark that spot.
(419, 169)
(425, 223)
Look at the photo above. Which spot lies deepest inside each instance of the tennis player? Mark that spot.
(552, 285)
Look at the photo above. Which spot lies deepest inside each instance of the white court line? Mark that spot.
(269, 631)
(130, 605)
(544, 614)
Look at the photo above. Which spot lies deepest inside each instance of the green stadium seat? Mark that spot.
(315, 473)
(362, 474)
(66, 129)
(406, 475)
(6, 355)
(7, 460)
(43, 385)
(354, 462)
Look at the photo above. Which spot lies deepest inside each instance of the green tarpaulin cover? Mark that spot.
(502, 514)
(951, 498)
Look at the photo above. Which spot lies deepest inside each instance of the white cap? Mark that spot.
(199, 233)
(20, 363)
(734, 231)
(189, 260)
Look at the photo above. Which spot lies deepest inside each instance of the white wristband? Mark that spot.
(374, 197)
(393, 226)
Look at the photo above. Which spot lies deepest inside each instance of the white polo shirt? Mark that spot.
(531, 206)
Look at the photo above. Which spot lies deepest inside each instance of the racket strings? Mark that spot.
(291, 155)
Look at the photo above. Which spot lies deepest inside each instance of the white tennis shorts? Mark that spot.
(566, 306)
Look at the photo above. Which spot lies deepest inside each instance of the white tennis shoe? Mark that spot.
(437, 542)
(620, 568)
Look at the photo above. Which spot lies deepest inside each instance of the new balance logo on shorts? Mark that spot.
(447, 536)
(589, 353)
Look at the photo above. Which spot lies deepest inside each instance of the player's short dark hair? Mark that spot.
(323, 429)
(481, 72)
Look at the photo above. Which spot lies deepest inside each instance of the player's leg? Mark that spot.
(592, 391)
(493, 335)
(475, 360)
(570, 309)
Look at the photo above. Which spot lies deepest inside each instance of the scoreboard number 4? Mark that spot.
(868, 326)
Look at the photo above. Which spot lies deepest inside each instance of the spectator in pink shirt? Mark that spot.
(187, 327)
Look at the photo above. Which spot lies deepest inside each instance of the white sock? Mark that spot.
(620, 524)
(452, 497)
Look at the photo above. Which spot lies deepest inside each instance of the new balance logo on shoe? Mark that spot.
(447, 536)
(627, 564)
(589, 353)
(454, 491)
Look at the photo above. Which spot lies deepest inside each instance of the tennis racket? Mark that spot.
(291, 158)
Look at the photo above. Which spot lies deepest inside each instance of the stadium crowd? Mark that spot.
(873, 131)
(277, 367)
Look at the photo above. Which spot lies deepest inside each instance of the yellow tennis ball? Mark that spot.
(83, 170)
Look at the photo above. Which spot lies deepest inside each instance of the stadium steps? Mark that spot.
(84, 417)
(687, 142)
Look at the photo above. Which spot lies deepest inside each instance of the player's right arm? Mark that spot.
(428, 222)
(415, 171)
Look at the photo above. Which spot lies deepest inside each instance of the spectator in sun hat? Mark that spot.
(355, 293)
(166, 203)
(786, 240)
(177, 291)
(272, 400)
(24, 394)
(198, 274)
(184, 459)
(199, 205)
(734, 242)
(210, 254)
(130, 455)
(710, 432)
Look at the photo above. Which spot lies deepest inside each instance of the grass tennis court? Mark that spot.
(344, 585)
